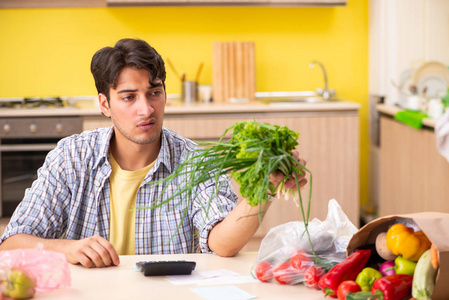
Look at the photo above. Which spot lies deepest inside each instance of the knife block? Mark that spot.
(233, 71)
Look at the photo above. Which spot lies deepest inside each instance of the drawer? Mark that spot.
(48, 127)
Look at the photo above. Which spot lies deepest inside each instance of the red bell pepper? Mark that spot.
(348, 269)
(393, 287)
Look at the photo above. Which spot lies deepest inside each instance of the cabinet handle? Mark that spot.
(33, 128)
(6, 128)
(59, 127)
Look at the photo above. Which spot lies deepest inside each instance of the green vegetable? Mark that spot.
(404, 266)
(360, 296)
(424, 278)
(19, 285)
(366, 278)
(254, 151)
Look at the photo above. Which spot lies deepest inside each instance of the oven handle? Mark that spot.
(27, 147)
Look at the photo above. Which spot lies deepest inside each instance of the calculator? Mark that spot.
(171, 267)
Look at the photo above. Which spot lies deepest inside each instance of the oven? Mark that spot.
(24, 144)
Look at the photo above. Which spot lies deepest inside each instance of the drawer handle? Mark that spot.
(33, 128)
(59, 127)
(7, 128)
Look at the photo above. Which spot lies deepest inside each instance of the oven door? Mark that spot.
(19, 161)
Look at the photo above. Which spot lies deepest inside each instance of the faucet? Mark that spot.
(325, 93)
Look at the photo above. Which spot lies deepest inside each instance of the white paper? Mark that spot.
(222, 293)
(213, 277)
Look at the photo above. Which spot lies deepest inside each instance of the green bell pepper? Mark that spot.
(404, 266)
(366, 278)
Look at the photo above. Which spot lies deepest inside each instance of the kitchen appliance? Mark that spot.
(24, 144)
(32, 102)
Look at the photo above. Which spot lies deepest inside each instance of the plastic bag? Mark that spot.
(48, 269)
(285, 254)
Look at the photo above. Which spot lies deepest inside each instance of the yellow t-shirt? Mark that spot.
(124, 186)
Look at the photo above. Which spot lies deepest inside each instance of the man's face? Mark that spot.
(136, 107)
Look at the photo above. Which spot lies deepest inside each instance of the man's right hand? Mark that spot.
(93, 251)
(89, 252)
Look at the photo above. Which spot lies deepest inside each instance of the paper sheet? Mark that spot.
(222, 293)
(213, 277)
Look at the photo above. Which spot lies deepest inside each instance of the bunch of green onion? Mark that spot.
(254, 151)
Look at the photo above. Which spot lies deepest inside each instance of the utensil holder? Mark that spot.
(189, 92)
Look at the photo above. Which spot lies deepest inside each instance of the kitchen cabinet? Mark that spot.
(413, 175)
(329, 142)
(51, 3)
(104, 3)
(226, 2)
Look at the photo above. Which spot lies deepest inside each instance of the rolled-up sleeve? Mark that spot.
(210, 207)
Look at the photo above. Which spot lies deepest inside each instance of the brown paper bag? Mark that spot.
(436, 227)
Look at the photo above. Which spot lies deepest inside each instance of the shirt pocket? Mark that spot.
(178, 236)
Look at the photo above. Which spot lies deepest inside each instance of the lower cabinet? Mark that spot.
(413, 175)
(328, 141)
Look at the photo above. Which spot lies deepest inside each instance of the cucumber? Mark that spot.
(424, 278)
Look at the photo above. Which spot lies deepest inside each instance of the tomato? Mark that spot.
(300, 261)
(284, 273)
(347, 286)
(312, 276)
(264, 271)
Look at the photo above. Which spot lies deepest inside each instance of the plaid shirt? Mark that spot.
(70, 197)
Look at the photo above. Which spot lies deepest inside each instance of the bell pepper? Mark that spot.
(360, 296)
(393, 287)
(402, 240)
(366, 278)
(404, 266)
(347, 269)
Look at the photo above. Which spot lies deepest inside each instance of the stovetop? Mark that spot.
(35, 102)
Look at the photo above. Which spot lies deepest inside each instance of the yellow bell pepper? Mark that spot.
(402, 240)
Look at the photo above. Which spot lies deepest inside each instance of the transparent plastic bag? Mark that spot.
(285, 254)
(48, 269)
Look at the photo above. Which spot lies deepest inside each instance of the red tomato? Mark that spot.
(347, 286)
(283, 273)
(312, 276)
(264, 271)
(300, 261)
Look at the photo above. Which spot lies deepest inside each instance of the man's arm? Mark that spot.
(229, 236)
(92, 251)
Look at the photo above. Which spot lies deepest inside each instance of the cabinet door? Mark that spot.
(329, 144)
(413, 175)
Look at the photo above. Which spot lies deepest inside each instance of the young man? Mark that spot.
(83, 201)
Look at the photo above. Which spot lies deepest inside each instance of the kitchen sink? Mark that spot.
(288, 98)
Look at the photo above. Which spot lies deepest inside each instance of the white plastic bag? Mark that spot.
(329, 239)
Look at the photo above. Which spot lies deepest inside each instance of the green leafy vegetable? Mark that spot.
(254, 151)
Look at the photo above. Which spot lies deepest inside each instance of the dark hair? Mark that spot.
(108, 62)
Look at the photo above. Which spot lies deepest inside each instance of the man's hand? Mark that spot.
(277, 176)
(92, 251)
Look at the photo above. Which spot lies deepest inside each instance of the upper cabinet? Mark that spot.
(104, 3)
(226, 2)
(51, 3)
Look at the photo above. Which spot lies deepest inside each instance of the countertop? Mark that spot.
(124, 282)
(392, 110)
(177, 108)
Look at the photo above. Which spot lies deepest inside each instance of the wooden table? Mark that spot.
(123, 282)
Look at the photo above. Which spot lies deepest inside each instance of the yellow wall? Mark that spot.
(47, 52)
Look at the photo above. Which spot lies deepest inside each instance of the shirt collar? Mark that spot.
(164, 156)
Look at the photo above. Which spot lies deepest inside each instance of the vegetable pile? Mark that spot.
(402, 264)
